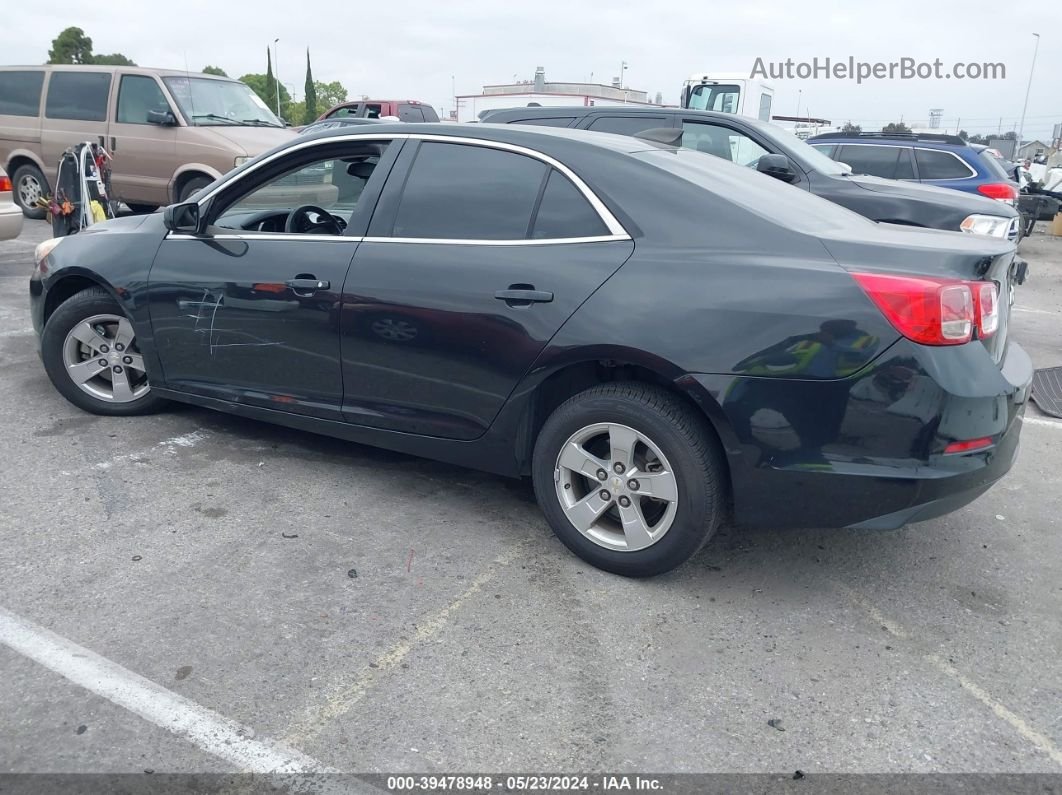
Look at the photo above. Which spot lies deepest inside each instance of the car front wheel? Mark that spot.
(630, 478)
(90, 353)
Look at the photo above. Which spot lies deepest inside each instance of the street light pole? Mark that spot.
(1028, 88)
(276, 74)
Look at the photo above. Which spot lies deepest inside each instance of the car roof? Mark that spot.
(527, 135)
(581, 111)
(950, 143)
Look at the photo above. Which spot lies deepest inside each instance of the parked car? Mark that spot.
(409, 110)
(171, 133)
(946, 161)
(774, 151)
(761, 354)
(10, 213)
(337, 121)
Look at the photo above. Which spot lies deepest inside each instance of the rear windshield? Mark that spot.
(993, 166)
(759, 194)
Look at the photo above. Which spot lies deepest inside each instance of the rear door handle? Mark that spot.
(523, 295)
(306, 284)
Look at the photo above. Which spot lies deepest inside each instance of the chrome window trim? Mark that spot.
(434, 241)
(615, 228)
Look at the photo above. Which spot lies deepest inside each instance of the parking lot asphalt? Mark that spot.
(367, 611)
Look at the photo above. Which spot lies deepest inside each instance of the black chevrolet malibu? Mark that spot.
(661, 340)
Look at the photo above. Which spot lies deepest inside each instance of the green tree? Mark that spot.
(1010, 135)
(329, 94)
(71, 46)
(113, 59)
(265, 87)
(896, 127)
(309, 111)
(214, 70)
(851, 129)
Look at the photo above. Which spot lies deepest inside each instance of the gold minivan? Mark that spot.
(170, 132)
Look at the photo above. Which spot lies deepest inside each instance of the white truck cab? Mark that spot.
(728, 93)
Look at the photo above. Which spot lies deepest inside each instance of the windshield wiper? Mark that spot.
(225, 119)
(260, 123)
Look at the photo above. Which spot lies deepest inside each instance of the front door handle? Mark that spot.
(523, 295)
(305, 285)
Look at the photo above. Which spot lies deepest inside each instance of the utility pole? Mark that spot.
(276, 75)
(1028, 88)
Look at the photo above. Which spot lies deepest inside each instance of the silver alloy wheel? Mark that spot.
(30, 190)
(616, 487)
(101, 358)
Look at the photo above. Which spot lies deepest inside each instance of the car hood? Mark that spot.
(930, 193)
(126, 223)
(252, 140)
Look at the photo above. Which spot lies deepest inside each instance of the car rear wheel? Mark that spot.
(30, 185)
(630, 478)
(90, 353)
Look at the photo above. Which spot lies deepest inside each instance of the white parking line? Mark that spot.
(1042, 421)
(1016, 722)
(204, 728)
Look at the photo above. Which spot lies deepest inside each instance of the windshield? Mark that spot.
(805, 154)
(719, 98)
(210, 103)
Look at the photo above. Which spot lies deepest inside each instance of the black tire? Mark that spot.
(191, 186)
(29, 172)
(686, 440)
(67, 315)
(142, 209)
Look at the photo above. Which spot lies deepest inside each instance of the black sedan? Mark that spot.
(544, 303)
(772, 150)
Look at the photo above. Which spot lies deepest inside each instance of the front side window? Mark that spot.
(138, 95)
(20, 93)
(332, 185)
(208, 102)
(78, 95)
(719, 98)
(464, 192)
(723, 142)
(935, 164)
(373, 111)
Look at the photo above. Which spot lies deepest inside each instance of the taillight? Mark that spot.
(968, 446)
(934, 311)
(987, 300)
(5, 184)
(1003, 191)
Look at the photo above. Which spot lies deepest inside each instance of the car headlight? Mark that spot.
(239, 161)
(994, 225)
(44, 249)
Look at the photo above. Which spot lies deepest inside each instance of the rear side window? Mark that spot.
(78, 95)
(410, 113)
(20, 93)
(877, 161)
(565, 212)
(137, 95)
(463, 192)
(934, 164)
(558, 121)
(628, 125)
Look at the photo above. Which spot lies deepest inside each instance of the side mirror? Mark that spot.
(182, 218)
(776, 166)
(163, 118)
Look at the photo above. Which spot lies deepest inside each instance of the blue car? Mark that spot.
(943, 160)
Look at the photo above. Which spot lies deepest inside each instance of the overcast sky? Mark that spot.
(410, 48)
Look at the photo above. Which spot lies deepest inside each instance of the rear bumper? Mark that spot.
(10, 221)
(868, 451)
